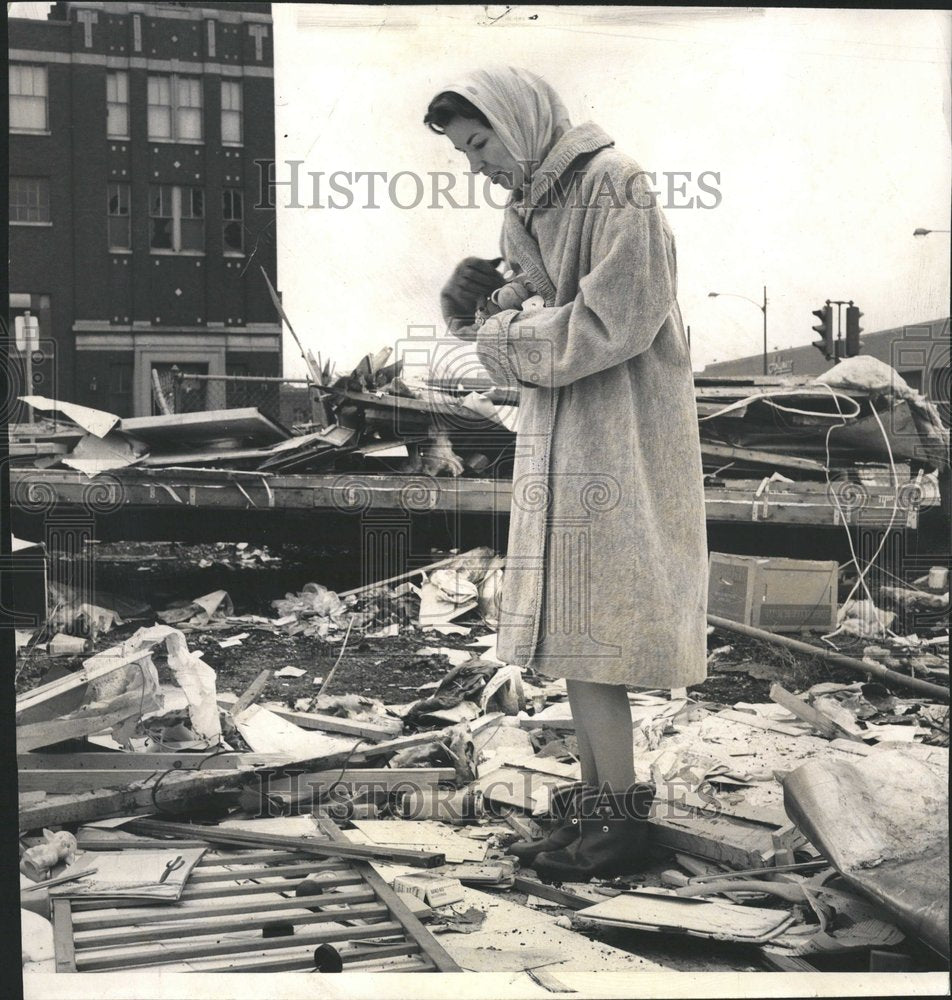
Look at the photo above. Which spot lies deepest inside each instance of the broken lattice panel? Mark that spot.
(230, 901)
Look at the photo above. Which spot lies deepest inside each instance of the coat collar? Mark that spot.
(582, 139)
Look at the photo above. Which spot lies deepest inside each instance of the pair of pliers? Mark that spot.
(172, 866)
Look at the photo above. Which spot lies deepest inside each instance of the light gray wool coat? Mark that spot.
(606, 567)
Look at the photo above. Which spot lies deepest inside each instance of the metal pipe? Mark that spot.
(873, 669)
(245, 378)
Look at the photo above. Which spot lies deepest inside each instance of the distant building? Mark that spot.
(135, 236)
(918, 352)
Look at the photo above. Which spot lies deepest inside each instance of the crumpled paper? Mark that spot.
(214, 606)
(863, 618)
(195, 677)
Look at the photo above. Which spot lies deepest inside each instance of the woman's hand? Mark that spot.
(474, 278)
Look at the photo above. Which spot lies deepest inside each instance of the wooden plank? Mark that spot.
(222, 892)
(64, 951)
(434, 951)
(239, 870)
(95, 667)
(251, 693)
(106, 759)
(86, 780)
(325, 723)
(220, 857)
(731, 841)
(204, 457)
(102, 960)
(775, 459)
(755, 721)
(305, 786)
(821, 722)
(175, 792)
(178, 791)
(85, 722)
(155, 915)
(322, 848)
(21, 449)
(209, 925)
(202, 488)
(297, 962)
(205, 425)
(87, 843)
(122, 760)
(544, 891)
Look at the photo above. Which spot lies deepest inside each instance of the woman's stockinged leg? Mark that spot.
(586, 754)
(602, 717)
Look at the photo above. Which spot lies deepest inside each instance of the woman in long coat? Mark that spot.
(606, 577)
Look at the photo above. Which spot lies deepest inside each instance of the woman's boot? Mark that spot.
(612, 838)
(564, 807)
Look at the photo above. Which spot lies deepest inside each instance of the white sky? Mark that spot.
(829, 129)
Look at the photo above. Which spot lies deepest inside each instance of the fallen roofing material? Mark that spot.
(244, 424)
(92, 421)
(884, 824)
(661, 911)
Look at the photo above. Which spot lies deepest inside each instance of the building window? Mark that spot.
(117, 105)
(28, 98)
(29, 199)
(177, 217)
(175, 107)
(121, 375)
(117, 209)
(232, 224)
(231, 111)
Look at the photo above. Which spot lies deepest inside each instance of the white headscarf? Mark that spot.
(523, 110)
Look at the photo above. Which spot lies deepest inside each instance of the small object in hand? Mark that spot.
(533, 304)
(511, 296)
(172, 866)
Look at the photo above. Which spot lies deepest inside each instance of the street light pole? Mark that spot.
(761, 307)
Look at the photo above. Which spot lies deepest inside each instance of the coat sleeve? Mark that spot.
(622, 303)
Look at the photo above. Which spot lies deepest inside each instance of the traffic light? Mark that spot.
(825, 329)
(853, 330)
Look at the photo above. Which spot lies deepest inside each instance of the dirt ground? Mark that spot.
(154, 575)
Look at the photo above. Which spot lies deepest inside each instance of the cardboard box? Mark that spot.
(434, 890)
(779, 595)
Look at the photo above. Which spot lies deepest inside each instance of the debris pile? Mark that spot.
(341, 821)
(858, 429)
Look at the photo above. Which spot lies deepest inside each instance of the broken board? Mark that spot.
(667, 914)
(739, 843)
(244, 423)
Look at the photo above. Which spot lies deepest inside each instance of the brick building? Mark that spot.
(919, 352)
(135, 236)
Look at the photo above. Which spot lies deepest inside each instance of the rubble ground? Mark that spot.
(727, 759)
(388, 669)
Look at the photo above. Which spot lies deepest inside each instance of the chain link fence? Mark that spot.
(286, 400)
